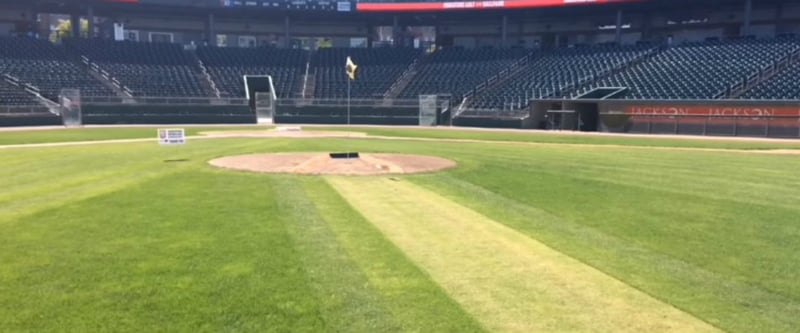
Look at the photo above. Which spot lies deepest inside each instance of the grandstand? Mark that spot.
(11, 95)
(228, 66)
(556, 74)
(700, 70)
(147, 69)
(782, 86)
(161, 69)
(46, 68)
(456, 71)
(481, 72)
(379, 69)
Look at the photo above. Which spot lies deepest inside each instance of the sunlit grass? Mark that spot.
(138, 237)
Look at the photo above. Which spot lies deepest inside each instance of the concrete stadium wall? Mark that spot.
(35, 119)
(726, 118)
(362, 115)
(108, 114)
(489, 122)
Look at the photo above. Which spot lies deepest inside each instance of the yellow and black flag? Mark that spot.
(350, 68)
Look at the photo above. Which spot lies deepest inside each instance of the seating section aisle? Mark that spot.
(47, 67)
(553, 74)
(148, 69)
(457, 71)
(377, 70)
(228, 66)
(699, 70)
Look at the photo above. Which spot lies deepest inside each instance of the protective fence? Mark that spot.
(265, 107)
(71, 112)
(427, 110)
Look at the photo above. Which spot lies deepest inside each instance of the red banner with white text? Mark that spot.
(714, 110)
(457, 5)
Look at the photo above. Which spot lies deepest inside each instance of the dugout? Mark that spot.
(566, 115)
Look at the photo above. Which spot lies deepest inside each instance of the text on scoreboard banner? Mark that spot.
(368, 6)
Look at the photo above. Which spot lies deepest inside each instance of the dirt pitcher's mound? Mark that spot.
(323, 164)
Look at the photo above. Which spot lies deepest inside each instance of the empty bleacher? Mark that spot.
(553, 74)
(457, 71)
(227, 67)
(378, 69)
(782, 86)
(698, 70)
(11, 95)
(147, 69)
(47, 67)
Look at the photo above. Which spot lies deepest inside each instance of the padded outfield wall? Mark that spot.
(780, 119)
(110, 111)
(406, 112)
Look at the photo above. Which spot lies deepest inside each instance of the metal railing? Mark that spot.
(405, 78)
(208, 78)
(504, 74)
(92, 66)
(762, 74)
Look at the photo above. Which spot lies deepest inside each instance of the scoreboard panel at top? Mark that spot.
(374, 5)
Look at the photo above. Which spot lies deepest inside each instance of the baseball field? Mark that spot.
(105, 230)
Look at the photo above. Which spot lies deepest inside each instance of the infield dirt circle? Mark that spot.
(323, 164)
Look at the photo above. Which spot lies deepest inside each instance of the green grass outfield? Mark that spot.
(530, 233)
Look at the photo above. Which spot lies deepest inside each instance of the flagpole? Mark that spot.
(348, 101)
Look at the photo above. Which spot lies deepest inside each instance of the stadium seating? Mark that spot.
(228, 66)
(699, 70)
(782, 86)
(147, 69)
(11, 95)
(553, 74)
(378, 69)
(46, 67)
(457, 71)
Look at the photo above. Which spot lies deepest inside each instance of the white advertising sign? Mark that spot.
(171, 136)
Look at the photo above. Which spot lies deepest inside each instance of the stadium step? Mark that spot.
(402, 81)
(107, 81)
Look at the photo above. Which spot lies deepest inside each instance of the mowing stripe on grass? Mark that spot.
(722, 299)
(509, 282)
(346, 300)
(45, 178)
(416, 303)
(154, 258)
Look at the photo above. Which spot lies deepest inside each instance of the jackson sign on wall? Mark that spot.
(714, 110)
